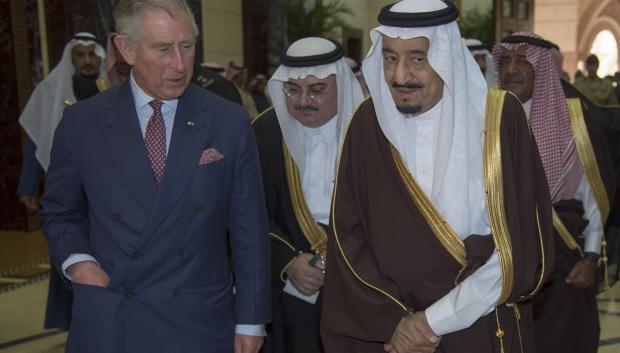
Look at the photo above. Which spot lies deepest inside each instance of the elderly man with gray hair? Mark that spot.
(148, 184)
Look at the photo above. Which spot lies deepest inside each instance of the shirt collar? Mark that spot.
(327, 130)
(527, 107)
(141, 98)
(429, 115)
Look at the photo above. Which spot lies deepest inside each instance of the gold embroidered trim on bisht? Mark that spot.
(442, 230)
(103, 83)
(564, 233)
(494, 185)
(591, 170)
(314, 233)
(587, 157)
(277, 237)
(335, 230)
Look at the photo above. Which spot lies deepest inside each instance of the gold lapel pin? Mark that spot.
(190, 123)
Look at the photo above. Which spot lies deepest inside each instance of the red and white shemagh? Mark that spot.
(549, 119)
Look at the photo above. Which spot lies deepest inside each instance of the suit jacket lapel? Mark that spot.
(121, 130)
(186, 146)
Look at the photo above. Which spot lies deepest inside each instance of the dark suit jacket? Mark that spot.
(164, 248)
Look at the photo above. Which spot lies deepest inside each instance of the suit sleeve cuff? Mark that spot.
(251, 330)
(73, 259)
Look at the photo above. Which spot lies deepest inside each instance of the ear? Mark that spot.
(126, 49)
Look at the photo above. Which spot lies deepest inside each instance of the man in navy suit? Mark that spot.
(145, 181)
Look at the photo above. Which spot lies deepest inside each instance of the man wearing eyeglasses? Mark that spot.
(314, 93)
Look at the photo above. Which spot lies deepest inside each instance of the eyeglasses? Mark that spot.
(314, 92)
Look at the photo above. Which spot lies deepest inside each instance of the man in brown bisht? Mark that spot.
(441, 217)
(314, 94)
(580, 177)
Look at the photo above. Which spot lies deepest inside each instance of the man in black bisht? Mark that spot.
(314, 93)
(579, 172)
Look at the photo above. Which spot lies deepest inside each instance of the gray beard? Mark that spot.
(409, 109)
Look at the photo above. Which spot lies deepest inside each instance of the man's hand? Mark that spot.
(88, 272)
(247, 344)
(583, 273)
(413, 334)
(307, 279)
(29, 202)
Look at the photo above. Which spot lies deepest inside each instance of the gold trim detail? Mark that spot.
(591, 170)
(542, 259)
(103, 83)
(334, 228)
(494, 185)
(262, 114)
(499, 333)
(314, 233)
(283, 241)
(587, 156)
(564, 233)
(445, 234)
(285, 268)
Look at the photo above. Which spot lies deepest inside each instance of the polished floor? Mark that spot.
(24, 273)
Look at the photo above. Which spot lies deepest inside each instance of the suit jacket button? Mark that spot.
(175, 292)
(135, 255)
(128, 294)
(116, 216)
(181, 252)
(199, 210)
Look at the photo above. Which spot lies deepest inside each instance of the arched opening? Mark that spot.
(606, 49)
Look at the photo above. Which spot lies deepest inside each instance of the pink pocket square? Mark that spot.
(210, 155)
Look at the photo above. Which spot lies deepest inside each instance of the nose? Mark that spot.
(177, 61)
(304, 98)
(513, 66)
(402, 73)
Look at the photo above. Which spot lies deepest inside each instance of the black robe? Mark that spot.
(388, 260)
(295, 323)
(607, 118)
(566, 317)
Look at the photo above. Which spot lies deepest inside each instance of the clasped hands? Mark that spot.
(308, 279)
(413, 335)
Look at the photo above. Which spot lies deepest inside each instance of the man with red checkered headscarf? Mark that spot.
(577, 167)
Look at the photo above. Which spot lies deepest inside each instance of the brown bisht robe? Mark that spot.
(383, 258)
(566, 317)
(295, 323)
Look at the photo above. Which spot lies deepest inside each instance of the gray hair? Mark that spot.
(128, 15)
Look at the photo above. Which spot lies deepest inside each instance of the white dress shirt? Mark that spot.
(317, 176)
(477, 295)
(144, 112)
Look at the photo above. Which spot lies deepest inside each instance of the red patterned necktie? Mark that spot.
(155, 141)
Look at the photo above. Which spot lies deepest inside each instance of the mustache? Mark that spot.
(306, 108)
(88, 66)
(514, 78)
(407, 85)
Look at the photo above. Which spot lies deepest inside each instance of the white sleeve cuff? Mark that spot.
(73, 259)
(593, 233)
(467, 302)
(251, 330)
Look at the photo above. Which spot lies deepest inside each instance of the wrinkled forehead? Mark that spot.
(416, 44)
(518, 51)
(311, 80)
